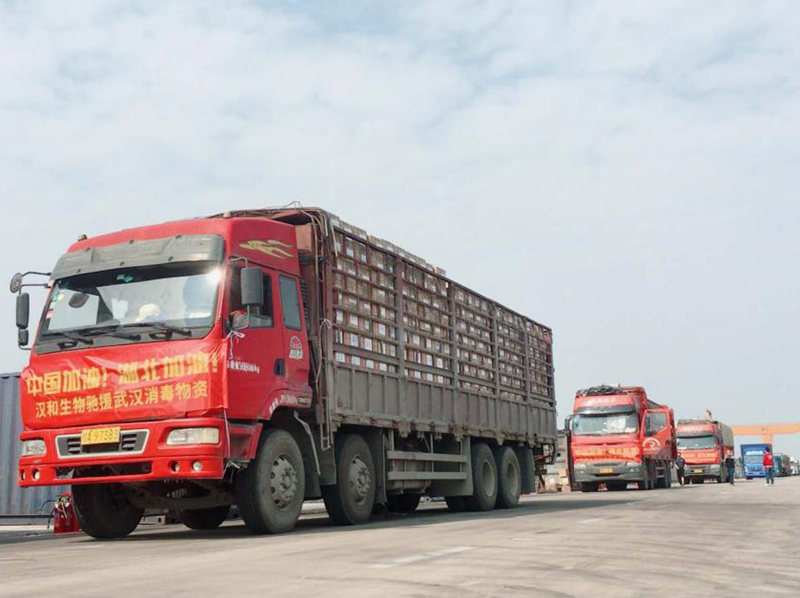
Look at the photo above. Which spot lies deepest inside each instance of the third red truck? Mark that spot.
(704, 444)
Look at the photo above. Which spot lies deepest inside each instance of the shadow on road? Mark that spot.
(319, 523)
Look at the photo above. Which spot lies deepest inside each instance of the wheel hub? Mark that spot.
(283, 481)
(489, 478)
(360, 480)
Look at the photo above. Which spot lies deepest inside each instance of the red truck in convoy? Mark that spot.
(704, 444)
(619, 436)
(264, 357)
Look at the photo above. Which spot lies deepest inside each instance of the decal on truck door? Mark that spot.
(651, 446)
(270, 247)
(295, 348)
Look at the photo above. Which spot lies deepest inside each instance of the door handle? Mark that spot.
(280, 367)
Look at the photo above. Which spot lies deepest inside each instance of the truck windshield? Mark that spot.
(171, 294)
(697, 442)
(603, 424)
(757, 458)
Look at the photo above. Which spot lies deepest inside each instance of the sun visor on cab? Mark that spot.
(181, 248)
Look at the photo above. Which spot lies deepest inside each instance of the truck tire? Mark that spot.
(270, 491)
(403, 503)
(484, 479)
(104, 510)
(204, 518)
(509, 474)
(647, 482)
(350, 500)
(455, 504)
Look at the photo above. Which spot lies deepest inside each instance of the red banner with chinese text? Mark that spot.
(122, 383)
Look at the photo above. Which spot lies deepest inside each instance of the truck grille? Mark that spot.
(131, 442)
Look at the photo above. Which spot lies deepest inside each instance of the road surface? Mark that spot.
(705, 541)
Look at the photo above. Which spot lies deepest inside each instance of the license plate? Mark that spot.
(99, 436)
(606, 470)
(698, 471)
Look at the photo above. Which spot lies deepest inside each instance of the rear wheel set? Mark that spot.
(496, 480)
(351, 499)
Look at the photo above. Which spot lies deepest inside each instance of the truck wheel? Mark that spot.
(455, 503)
(104, 510)
(484, 479)
(270, 491)
(403, 503)
(350, 500)
(509, 476)
(204, 518)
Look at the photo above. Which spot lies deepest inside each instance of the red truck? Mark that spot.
(261, 358)
(619, 436)
(704, 444)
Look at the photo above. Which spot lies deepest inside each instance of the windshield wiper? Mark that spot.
(114, 330)
(73, 336)
(162, 326)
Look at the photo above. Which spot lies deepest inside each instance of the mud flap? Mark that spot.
(527, 468)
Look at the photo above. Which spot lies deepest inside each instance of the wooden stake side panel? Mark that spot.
(496, 351)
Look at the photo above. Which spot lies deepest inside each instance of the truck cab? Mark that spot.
(160, 353)
(753, 459)
(618, 436)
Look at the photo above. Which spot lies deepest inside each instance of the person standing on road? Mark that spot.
(680, 465)
(730, 463)
(769, 467)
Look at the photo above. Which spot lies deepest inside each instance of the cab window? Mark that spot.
(655, 423)
(290, 303)
(260, 316)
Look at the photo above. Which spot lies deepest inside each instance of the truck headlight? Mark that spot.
(33, 447)
(580, 466)
(714, 468)
(633, 464)
(193, 436)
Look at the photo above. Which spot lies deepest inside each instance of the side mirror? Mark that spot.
(23, 310)
(568, 424)
(16, 283)
(22, 337)
(252, 287)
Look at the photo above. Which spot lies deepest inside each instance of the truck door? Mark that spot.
(294, 337)
(255, 348)
(658, 432)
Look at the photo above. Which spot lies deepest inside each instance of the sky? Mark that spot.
(626, 173)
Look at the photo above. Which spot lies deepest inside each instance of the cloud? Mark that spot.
(626, 175)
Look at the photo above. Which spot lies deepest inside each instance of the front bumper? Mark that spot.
(617, 472)
(702, 471)
(154, 461)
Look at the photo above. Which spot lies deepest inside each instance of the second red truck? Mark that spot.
(619, 436)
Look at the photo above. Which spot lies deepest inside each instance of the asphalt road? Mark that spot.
(706, 541)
